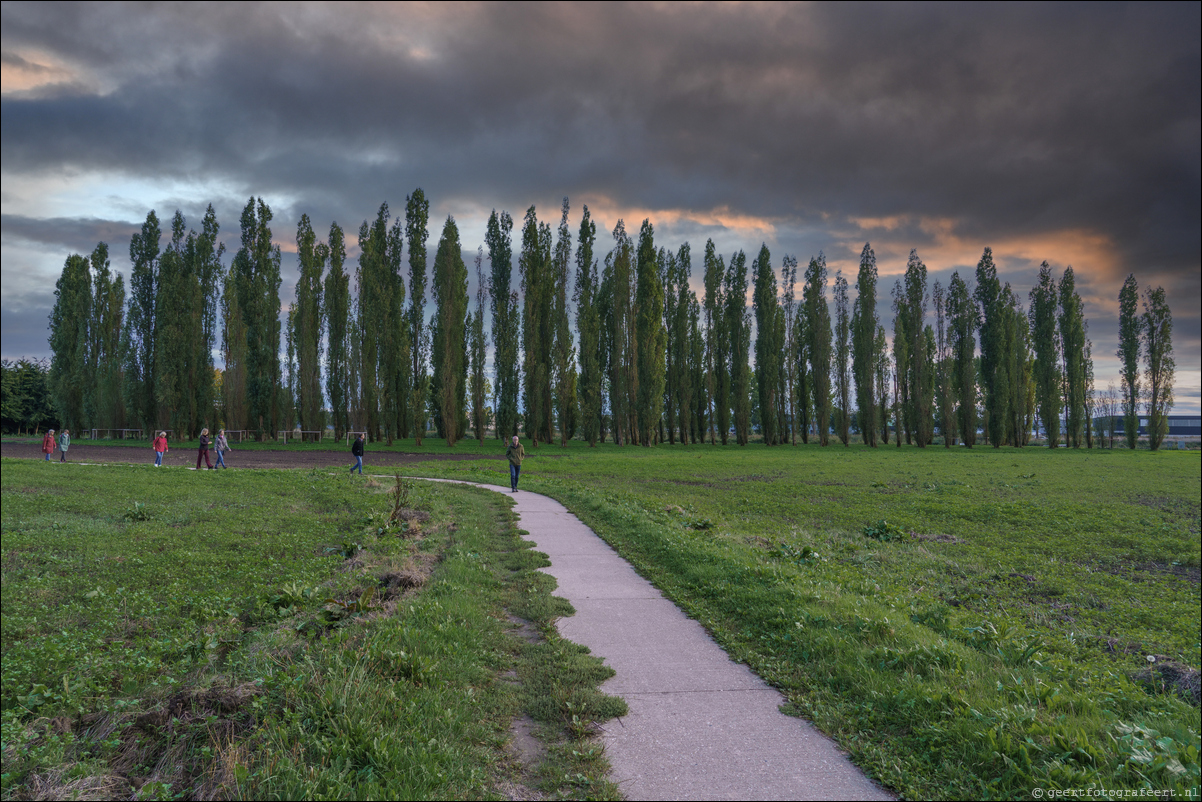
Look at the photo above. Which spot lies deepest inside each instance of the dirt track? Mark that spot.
(183, 457)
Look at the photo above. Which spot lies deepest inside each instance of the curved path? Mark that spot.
(700, 726)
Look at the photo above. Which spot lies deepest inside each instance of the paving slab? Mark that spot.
(700, 725)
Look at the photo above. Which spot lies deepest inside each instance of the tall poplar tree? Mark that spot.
(864, 324)
(1045, 337)
(448, 346)
(650, 336)
(504, 308)
(563, 352)
(588, 327)
(535, 269)
(394, 339)
(717, 344)
(417, 216)
(337, 320)
(902, 357)
(738, 329)
(623, 347)
(205, 254)
(1130, 330)
(69, 338)
(256, 267)
(139, 380)
(881, 382)
(308, 320)
(767, 349)
(108, 307)
(962, 325)
(991, 321)
(1158, 353)
(1072, 337)
(178, 330)
(477, 346)
(818, 351)
(788, 278)
(684, 389)
(667, 271)
(843, 357)
(374, 303)
(919, 379)
(944, 398)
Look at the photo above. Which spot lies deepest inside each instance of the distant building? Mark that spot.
(1179, 426)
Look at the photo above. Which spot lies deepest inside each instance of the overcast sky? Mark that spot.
(1071, 133)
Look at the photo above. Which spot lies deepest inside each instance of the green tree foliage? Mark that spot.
(309, 323)
(180, 327)
(256, 269)
(564, 352)
(650, 336)
(1130, 336)
(767, 348)
(394, 370)
(205, 254)
(1158, 353)
(504, 301)
(588, 327)
(738, 330)
(25, 396)
(915, 373)
(789, 345)
(944, 365)
(477, 347)
(990, 322)
(536, 271)
(108, 308)
(698, 374)
(962, 326)
(881, 381)
(139, 380)
(448, 349)
(1072, 337)
(1045, 339)
(337, 312)
(380, 305)
(233, 351)
(617, 294)
(678, 306)
(818, 347)
(842, 367)
(69, 321)
(717, 344)
(864, 324)
(417, 217)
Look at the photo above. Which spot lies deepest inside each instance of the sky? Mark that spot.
(1070, 133)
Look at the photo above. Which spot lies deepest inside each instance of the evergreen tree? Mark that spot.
(477, 347)
(179, 328)
(1130, 330)
(139, 380)
(788, 278)
(1072, 337)
(738, 329)
(417, 216)
(206, 253)
(309, 323)
(1045, 338)
(818, 328)
(864, 324)
(843, 357)
(767, 348)
(588, 327)
(535, 268)
(717, 344)
(337, 320)
(962, 323)
(1158, 354)
(564, 352)
(919, 379)
(69, 338)
(990, 321)
(449, 378)
(650, 336)
(257, 270)
(505, 321)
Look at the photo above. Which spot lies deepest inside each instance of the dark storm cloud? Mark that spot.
(1010, 121)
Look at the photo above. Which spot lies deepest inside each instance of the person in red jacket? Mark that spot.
(48, 444)
(160, 448)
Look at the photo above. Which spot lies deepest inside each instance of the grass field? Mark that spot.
(280, 635)
(966, 623)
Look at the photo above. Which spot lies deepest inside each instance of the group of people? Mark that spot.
(514, 453)
(221, 446)
(62, 444)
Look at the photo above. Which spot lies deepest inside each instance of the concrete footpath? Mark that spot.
(700, 726)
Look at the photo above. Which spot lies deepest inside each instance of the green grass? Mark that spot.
(277, 634)
(965, 623)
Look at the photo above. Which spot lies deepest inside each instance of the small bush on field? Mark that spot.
(884, 531)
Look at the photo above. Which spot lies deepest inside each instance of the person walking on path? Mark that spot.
(160, 448)
(204, 450)
(357, 453)
(222, 447)
(514, 454)
(64, 443)
(48, 445)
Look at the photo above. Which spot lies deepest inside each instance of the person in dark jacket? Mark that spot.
(64, 443)
(204, 450)
(515, 453)
(357, 452)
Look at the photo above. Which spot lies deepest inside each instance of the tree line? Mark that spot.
(648, 360)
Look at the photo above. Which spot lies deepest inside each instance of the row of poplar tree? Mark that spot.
(648, 362)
